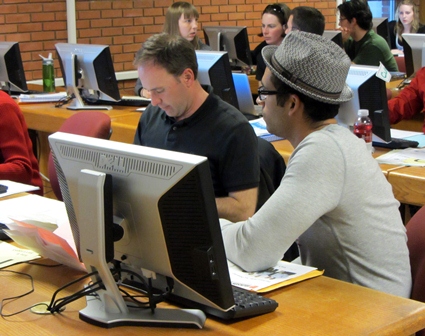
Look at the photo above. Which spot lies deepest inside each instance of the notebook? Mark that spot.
(244, 95)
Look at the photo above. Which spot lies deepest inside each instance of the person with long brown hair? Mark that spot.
(407, 22)
(181, 19)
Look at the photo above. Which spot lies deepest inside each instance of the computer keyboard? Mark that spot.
(124, 101)
(3, 235)
(247, 304)
(396, 143)
(16, 93)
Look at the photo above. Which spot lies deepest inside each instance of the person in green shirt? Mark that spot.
(361, 43)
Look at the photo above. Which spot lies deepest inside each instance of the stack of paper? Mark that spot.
(41, 225)
(41, 97)
(260, 129)
(283, 274)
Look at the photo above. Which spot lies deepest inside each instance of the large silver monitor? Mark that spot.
(164, 203)
(12, 75)
(214, 69)
(232, 39)
(369, 92)
(414, 52)
(88, 67)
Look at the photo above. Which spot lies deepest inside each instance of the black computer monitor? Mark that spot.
(12, 75)
(234, 40)
(369, 93)
(380, 26)
(214, 69)
(334, 35)
(164, 203)
(414, 52)
(88, 68)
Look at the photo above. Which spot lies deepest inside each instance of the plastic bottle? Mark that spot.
(48, 74)
(363, 128)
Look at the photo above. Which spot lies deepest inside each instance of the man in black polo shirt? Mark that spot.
(184, 117)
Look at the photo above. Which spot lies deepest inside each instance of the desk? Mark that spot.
(46, 119)
(319, 306)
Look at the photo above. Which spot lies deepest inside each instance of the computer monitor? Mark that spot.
(414, 52)
(12, 75)
(88, 67)
(369, 92)
(164, 202)
(380, 26)
(214, 69)
(234, 40)
(334, 35)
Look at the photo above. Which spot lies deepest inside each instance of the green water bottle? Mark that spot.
(48, 74)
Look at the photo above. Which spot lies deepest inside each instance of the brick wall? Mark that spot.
(122, 24)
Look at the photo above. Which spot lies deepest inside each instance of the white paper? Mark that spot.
(383, 73)
(10, 255)
(404, 157)
(255, 281)
(16, 188)
(46, 214)
(259, 126)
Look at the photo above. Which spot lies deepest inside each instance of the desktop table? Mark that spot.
(319, 306)
(46, 119)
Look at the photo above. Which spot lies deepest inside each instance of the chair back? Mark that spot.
(400, 63)
(94, 124)
(416, 244)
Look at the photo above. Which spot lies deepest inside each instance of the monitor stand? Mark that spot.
(78, 103)
(108, 308)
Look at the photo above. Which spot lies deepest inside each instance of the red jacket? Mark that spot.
(410, 101)
(17, 160)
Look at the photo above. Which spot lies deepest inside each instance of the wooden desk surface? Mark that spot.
(319, 306)
(409, 185)
(45, 118)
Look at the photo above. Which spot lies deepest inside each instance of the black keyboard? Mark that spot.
(247, 304)
(129, 101)
(396, 143)
(16, 93)
(3, 235)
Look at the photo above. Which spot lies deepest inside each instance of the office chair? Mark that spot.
(400, 63)
(95, 124)
(416, 242)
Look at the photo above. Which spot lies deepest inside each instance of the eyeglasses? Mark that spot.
(263, 93)
(275, 8)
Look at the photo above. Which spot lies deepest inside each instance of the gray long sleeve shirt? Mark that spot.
(335, 201)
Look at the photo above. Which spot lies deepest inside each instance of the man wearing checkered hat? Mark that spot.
(333, 200)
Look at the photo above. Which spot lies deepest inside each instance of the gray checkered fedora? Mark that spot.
(312, 65)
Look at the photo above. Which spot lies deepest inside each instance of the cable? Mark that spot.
(2, 304)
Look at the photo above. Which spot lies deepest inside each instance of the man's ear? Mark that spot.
(294, 102)
(187, 76)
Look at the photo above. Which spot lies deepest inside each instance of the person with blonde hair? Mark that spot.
(407, 22)
(181, 19)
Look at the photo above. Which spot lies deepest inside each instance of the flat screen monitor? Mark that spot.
(88, 68)
(163, 201)
(12, 75)
(380, 26)
(214, 69)
(234, 40)
(334, 35)
(414, 52)
(369, 92)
